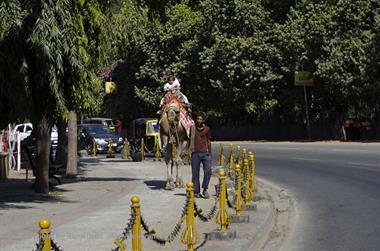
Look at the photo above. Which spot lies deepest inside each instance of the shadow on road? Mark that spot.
(155, 184)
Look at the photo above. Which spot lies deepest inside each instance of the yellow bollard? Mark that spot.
(222, 158)
(136, 228)
(253, 172)
(222, 216)
(231, 160)
(110, 151)
(45, 234)
(158, 148)
(247, 180)
(244, 155)
(142, 149)
(126, 149)
(238, 156)
(238, 190)
(93, 147)
(190, 235)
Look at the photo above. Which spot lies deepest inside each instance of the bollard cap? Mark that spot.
(135, 200)
(245, 161)
(221, 173)
(244, 150)
(44, 224)
(238, 147)
(250, 153)
(189, 184)
(231, 145)
(237, 167)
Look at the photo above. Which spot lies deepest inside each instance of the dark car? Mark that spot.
(102, 134)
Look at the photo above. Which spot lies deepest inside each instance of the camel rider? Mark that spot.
(167, 90)
(176, 90)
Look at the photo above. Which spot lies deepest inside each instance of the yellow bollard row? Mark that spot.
(190, 235)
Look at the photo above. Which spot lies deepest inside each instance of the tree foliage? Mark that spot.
(236, 59)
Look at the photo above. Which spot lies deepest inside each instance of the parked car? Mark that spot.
(104, 121)
(87, 133)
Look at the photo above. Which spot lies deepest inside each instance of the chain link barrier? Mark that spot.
(211, 213)
(150, 233)
(120, 240)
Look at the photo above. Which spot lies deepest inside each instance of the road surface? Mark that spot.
(336, 188)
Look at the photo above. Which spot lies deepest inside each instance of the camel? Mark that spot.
(172, 134)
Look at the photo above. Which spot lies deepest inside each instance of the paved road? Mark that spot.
(336, 188)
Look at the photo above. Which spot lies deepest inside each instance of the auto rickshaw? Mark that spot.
(147, 129)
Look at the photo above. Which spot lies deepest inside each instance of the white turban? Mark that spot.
(167, 87)
(176, 85)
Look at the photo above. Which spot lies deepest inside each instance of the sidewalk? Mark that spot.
(90, 212)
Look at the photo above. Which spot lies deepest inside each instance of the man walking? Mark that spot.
(200, 146)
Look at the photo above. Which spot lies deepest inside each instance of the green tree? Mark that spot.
(53, 68)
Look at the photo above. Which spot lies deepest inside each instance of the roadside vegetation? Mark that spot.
(235, 59)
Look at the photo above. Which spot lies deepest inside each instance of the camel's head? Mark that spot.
(173, 113)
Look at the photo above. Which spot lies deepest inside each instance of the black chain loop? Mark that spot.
(127, 229)
(54, 246)
(39, 245)
(211, 214)
(151, 233)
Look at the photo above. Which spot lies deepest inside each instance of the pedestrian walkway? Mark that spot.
(90, 212)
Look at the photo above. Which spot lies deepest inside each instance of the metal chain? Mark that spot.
(127, 229)
(39, 245)
(211, 214)
(151, 233)
(54, 246)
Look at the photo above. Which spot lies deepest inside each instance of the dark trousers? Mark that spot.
(196, 160)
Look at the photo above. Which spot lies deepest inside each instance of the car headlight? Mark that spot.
(120, 139)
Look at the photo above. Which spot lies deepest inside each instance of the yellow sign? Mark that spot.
(110, 87)
(303, 78)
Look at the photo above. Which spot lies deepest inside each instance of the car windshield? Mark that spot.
(152, 127)
(98, 129)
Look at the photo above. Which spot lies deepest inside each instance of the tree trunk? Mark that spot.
(42, 161)
(72, 144)
(61, 154)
